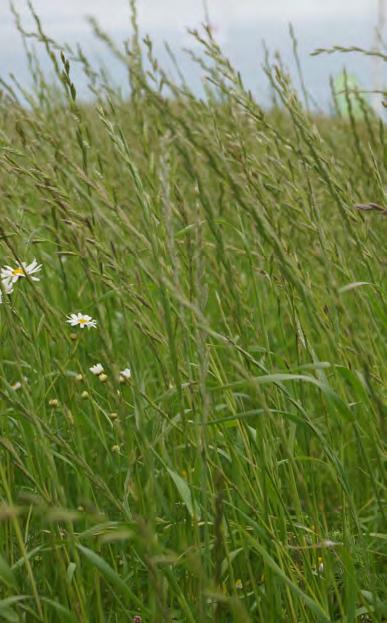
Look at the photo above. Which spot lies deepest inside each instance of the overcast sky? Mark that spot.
(239, 25)
(167, 14)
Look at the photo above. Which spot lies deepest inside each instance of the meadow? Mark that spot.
(193, 345)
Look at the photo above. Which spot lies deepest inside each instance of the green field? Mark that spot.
(236, 474)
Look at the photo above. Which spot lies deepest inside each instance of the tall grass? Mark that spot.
(238, 475)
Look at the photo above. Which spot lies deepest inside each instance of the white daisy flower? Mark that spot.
(97, 369)
(19, 384)
(6, 287)
(12, 275)
(126, 374)
(81, 320)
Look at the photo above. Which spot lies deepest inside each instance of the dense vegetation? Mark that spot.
(233, 259)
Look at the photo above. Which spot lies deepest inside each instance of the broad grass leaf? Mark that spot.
(7, 613)
(319, 613)
(63, 613)
(185, 493)
(110, 575)
(354, 285)
(6, 573)
(22, 561)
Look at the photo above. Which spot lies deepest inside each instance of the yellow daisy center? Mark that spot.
(17, 272)
(82, 321)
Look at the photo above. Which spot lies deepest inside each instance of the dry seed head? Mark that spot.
(8, 512)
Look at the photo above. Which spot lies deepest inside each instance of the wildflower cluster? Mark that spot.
(98, 370)
(9, 275)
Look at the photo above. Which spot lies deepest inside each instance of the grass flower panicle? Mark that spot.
(81, 320)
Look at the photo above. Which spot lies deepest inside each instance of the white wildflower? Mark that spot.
(126, 374)
(19, 384)
(11, 275)
(82, 320)
(97, 369)
(6, 288)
